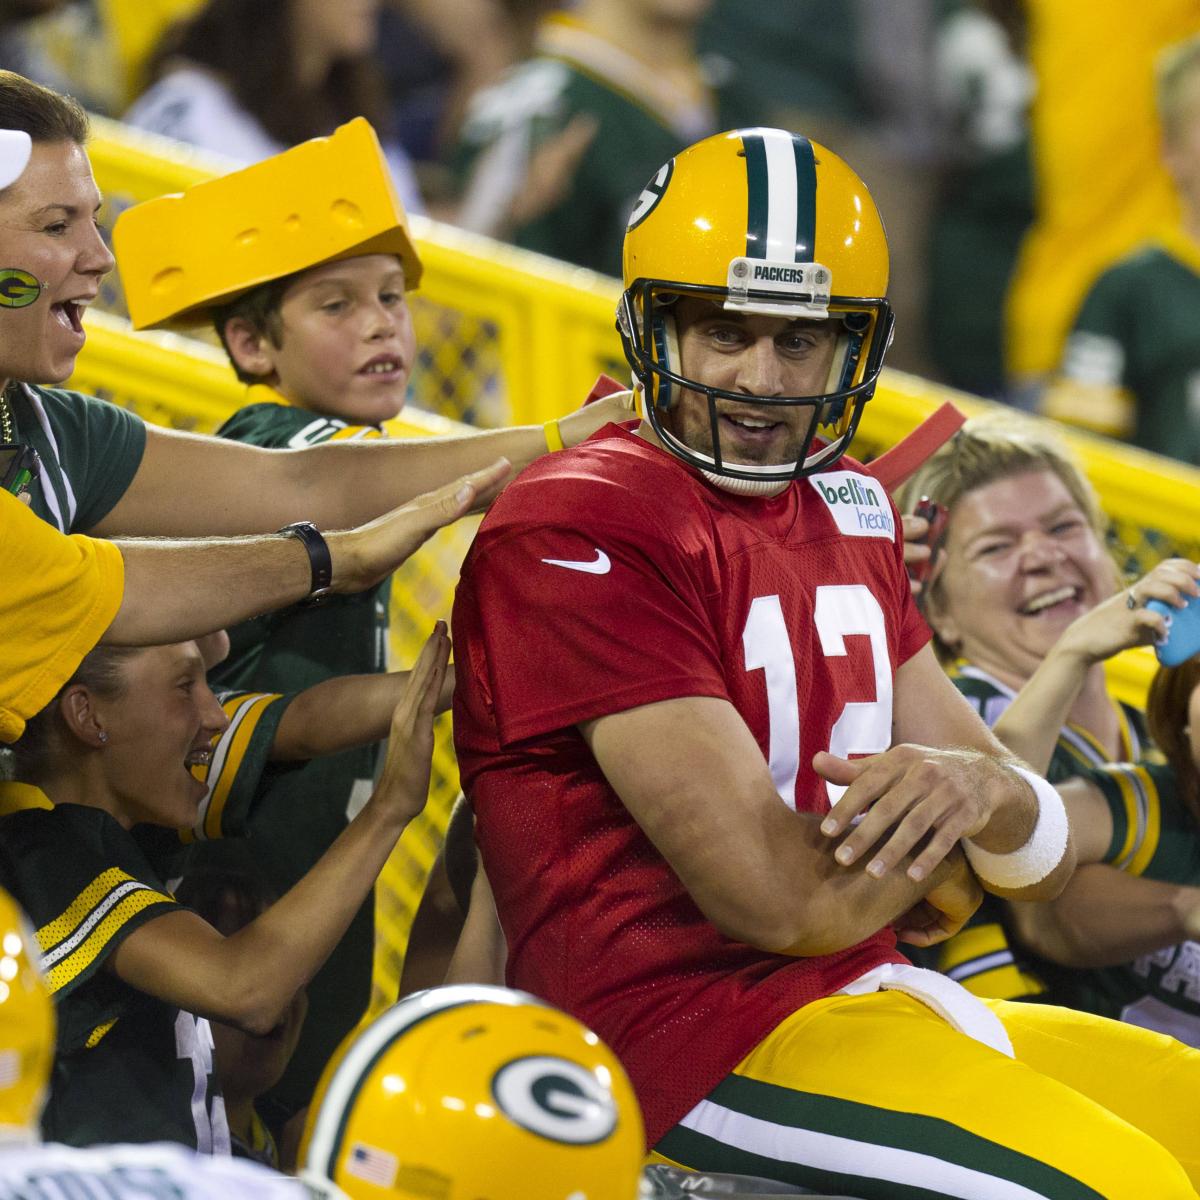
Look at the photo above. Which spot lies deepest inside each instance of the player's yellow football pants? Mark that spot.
(875, 1096)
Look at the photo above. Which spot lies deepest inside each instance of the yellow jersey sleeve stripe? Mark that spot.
(71, 942)
(65, 925)
(227, 754)
(1152, 807)
(1007, 982)
(355, 433)
(1129, 799)
(237, 740)
(971, 943)
(97, 1033)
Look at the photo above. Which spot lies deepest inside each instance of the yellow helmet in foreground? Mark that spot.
(474, 1093)
(760, 221)
(26, 1026)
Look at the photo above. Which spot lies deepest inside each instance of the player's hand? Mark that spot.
(1114, 625)
(404, 782)
(364, 556)
(915, 795)
(947, 906)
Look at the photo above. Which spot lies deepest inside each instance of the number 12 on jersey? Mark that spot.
(862, 727)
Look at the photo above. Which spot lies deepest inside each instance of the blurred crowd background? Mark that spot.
(1015, 147)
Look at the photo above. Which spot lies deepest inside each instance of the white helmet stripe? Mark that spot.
(782, 234)
(348, 1076)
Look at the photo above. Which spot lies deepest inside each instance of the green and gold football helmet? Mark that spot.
(474, 1092)
(767, 222)
(26, 1027)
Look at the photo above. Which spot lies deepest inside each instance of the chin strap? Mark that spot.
(746, 487)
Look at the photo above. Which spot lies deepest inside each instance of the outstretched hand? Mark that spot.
(404, 781)
(913, 798)
(364, 556)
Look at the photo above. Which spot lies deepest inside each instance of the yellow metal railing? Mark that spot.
(509, 337)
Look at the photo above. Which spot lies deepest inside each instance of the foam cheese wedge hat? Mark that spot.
(326, 199)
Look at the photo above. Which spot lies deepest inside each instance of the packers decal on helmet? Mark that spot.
(757, 221)
(556, 1099)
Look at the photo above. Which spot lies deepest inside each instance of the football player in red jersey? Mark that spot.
(717, 770)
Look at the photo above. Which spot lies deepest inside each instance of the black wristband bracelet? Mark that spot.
(319, 559)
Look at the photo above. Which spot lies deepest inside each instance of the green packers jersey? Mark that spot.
(1137, 331)
(982, 957)
(298, 813)
(90, 451)
(1154, 835)
(640, 125)
(128, 1067)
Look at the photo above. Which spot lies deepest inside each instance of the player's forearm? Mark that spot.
(1105, 917)
(180, 590)
(846, 905)
(784, 892)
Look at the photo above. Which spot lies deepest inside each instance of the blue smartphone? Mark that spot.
(1183, 631)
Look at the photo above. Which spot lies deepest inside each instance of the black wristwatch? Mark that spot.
(319, 559)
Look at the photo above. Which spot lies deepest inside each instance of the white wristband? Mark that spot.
(1033, 861)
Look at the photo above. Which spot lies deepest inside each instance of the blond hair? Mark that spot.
(1172, 71)
(994, 447)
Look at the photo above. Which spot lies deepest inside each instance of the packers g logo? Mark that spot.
(18, 289)
(556, 1099)
(652, 193)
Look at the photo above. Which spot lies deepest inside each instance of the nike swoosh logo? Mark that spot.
(601, 566)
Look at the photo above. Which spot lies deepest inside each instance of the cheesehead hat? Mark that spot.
(326, 199)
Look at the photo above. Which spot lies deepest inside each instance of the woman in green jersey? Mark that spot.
(134, 974)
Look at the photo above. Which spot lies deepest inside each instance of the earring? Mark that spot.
(102, 736)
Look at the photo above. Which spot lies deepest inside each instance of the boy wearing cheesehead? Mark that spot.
(303, 262)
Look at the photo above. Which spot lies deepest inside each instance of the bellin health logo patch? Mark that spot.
(857, 503)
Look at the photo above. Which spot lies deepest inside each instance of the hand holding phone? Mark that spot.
(920, 571)
(1183, 631)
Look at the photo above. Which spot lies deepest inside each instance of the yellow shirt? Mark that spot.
(58, 595)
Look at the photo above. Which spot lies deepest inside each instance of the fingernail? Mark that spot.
(464, 493)
(916, 873)
(844, 854)
(829, 825)
(875, 868)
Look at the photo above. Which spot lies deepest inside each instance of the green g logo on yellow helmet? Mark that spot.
(18, 289)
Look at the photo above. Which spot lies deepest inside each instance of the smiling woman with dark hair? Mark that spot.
(134, 974)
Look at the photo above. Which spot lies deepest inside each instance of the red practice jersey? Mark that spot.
(611, 576)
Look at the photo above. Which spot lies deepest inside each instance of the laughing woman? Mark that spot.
(1023, 560)
(135, 976)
